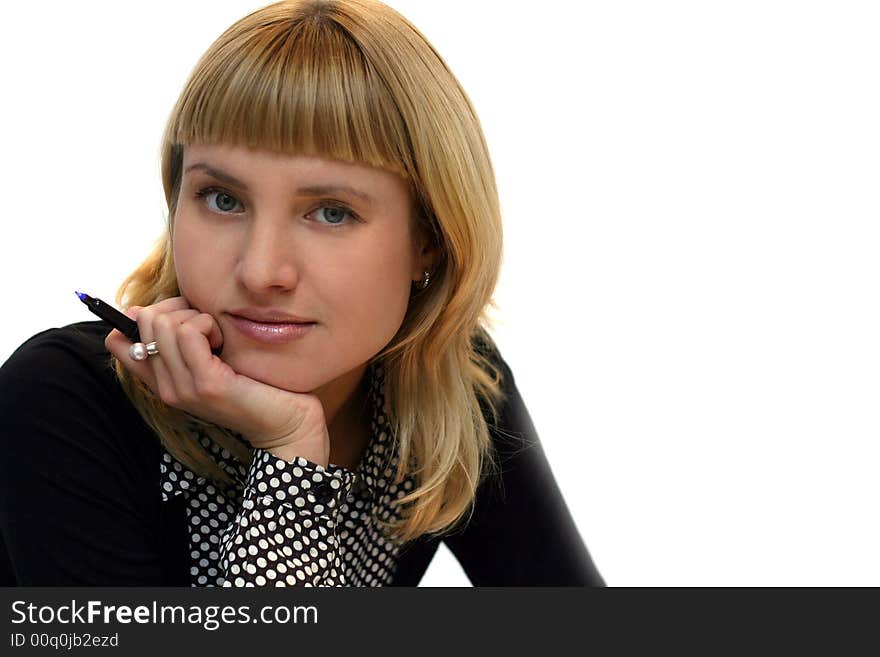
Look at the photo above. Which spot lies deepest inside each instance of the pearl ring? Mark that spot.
(141, 351)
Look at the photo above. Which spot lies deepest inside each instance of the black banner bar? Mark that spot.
(158, 621)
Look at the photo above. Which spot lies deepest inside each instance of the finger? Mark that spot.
(147, 314)
(208, 328)
(173, 376)
(195, 339)
(118, 345)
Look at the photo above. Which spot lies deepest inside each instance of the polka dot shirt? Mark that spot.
(292, 523)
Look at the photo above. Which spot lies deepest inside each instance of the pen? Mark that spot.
(128, 327)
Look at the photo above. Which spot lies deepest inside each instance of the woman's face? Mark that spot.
(330, 256)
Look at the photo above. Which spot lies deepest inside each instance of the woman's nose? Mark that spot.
(268, 256)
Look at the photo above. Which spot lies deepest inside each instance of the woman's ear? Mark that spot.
(427, 258)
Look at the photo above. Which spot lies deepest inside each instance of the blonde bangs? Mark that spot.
(296, 86)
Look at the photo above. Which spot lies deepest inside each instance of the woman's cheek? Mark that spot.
(188, 259)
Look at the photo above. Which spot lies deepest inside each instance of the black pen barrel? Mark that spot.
(125, 325)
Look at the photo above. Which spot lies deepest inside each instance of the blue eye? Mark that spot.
(336, 214)
(223, 198)
(225, 202)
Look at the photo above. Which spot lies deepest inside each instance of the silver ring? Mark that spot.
(141, 351)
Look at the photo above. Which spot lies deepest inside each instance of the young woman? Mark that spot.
(315, 400)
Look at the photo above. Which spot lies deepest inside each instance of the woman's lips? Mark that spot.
(271, 333)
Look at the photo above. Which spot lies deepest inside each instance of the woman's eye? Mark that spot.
(334, 215)
(225, 202)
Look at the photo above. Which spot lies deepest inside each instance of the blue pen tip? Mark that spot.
(82, 297)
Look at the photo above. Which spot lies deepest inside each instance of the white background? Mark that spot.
(689, 293)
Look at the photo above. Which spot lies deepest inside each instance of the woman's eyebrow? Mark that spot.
(311, 190)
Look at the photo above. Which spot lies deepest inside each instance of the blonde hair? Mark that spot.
(354, 80)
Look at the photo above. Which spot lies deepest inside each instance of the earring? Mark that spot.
(426, 279)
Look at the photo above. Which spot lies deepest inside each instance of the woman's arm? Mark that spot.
(73, 483)
(521, 532)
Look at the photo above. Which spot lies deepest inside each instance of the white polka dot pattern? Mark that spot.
(284, 532)
(292, 523)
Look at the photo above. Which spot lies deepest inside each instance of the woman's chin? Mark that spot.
(262, 369)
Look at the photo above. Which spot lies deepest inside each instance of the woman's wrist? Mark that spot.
(288, 453)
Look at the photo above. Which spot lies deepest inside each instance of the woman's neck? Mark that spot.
(350, 428)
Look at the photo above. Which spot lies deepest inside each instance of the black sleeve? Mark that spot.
(521, 532)
(72, 473)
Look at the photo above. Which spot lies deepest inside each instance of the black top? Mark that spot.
(89, 497)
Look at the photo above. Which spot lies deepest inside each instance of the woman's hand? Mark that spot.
(186, 375)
